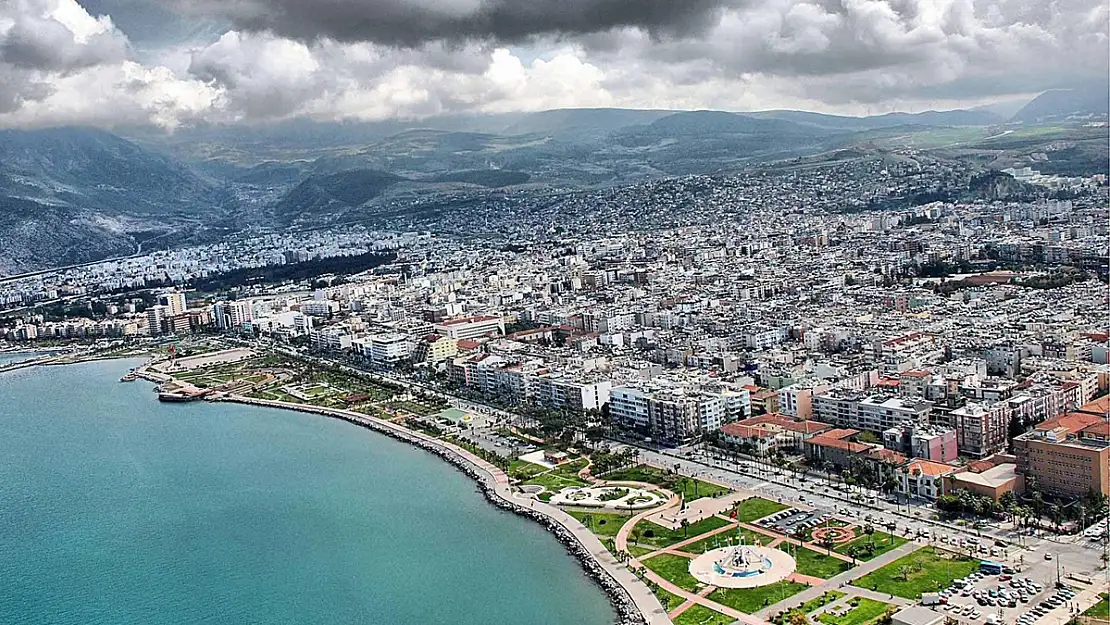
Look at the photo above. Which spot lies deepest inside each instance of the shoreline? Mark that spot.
(633, 605)
(633, 602)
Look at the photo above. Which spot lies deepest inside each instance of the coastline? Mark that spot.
(633, 602)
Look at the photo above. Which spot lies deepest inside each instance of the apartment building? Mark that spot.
(1067, 456)
(670, 413)
(796, 400)
(981, 430)
(470, 327)
(384, 350)
(875, 413)
(435, 348)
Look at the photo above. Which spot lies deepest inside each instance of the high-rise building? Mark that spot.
(174, 301)
(155, 319)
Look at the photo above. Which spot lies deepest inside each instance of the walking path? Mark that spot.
(645, 601)
(840, 582)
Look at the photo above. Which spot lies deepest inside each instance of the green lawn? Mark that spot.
(600, 523)
(882, 541)
(925, 570)
(816, 564)
(562, 476)
(866, 610)
(701, 615)
(724, 539)
(638, 551)
(752, 600)
(674, 569)
(756, 508)
(523, 470)
(689, 487)
(659, 536)
(1100, 609)
(825, 599)
(669, 600)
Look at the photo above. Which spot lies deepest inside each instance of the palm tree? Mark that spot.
(869, 530)
(685, 527)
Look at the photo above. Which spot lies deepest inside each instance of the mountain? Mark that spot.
(333, 193)
(888, 120)
(70, 195)
(1062, 103)
(89, 169)
(577, 122)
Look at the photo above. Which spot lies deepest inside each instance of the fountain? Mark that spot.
(742, 566)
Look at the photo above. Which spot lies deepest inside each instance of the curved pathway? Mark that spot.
(645, 601)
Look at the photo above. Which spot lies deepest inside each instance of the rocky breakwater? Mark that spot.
(627, 611)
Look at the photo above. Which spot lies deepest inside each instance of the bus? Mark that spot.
(990, 568)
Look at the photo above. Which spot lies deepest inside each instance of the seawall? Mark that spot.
(634, 603)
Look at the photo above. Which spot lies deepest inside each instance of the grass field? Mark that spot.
(674, 569)
(1100, 609)
(600, 523)
(825, 599)
(924, 570)
(669, 600)
(724, 539)
(756, 508)
(701, 615)
(523, 470)
(866, 610)
(752, 600)
(883, 543)
(816, 564)
(659, 536)
(562, 476)
(689, 487)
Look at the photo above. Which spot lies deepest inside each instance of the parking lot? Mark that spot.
(992, 599)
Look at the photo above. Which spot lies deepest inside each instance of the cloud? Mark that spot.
(263, 60)
(61, 65)
(409, 23)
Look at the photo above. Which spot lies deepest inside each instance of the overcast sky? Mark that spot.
(173, 62)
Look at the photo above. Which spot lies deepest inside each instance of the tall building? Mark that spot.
(174, 302)
(232, 315)
(155, 319)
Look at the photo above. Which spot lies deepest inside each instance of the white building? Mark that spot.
(851, 409)
(470, 327)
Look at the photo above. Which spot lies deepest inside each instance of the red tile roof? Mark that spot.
(1072, 422)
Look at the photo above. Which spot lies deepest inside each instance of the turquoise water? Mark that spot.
(116, 509)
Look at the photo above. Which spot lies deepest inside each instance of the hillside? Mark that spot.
(1060, 104)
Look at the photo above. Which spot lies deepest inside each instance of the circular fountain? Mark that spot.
(742, 566)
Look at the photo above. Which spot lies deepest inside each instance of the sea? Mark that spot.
(117, 509)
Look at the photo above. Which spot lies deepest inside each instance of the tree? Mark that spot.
(797, 617)
(685, 527)
(869, 530)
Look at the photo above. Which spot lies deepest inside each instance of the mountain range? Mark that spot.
(70, 195)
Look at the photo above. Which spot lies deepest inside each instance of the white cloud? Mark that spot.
(59, 64)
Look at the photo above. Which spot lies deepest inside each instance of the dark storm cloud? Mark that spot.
(414, 22)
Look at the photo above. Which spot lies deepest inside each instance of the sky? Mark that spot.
(169, 63)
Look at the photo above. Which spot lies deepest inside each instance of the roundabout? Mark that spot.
(742, 566)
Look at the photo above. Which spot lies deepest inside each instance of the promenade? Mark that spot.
(643, 599)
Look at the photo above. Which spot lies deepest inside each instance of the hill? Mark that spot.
(333, 193)
(1093, 100)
